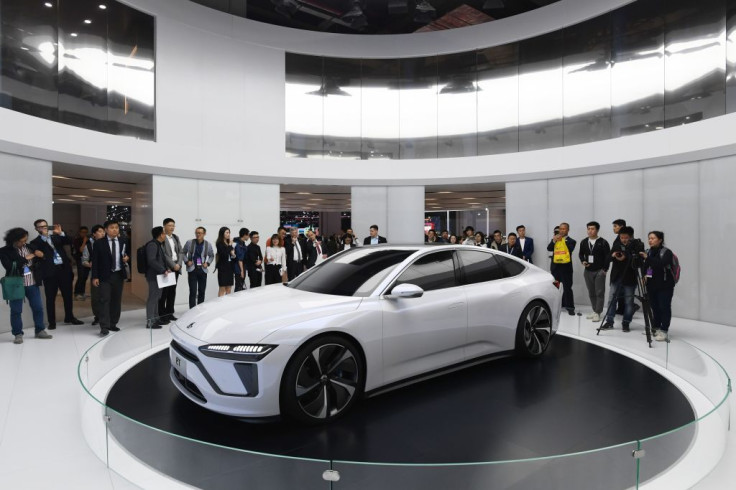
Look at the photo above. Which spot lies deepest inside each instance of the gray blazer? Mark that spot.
(208, 254)
(179, 253)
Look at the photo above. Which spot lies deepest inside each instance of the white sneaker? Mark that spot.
(590, 317)
(595, 318)
(660, 336)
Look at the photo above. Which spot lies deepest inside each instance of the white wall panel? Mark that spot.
(369, 206)
(405, 210)
(218, 203)
(571, 200)
(618, 195)
(526, 204)
(671, 205)
(717, 234)
(25, 196)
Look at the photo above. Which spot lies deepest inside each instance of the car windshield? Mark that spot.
(354, 272)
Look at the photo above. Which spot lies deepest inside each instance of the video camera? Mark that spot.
(630, 251)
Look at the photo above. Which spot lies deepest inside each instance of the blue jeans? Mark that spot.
(619, 290)
(16, 308)
(661, 301)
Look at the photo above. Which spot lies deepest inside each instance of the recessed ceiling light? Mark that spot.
(73, 34)
(87, 21)
(101, 190)
(102, 6)
(468, 198)
(49, 5)
(444, 192)
(304, 193)
(76, 195)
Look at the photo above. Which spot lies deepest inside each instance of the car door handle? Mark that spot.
(455, 305)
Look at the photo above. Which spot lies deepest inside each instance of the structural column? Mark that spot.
(397, 210)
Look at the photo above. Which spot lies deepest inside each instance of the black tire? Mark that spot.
(322, 381)
(534, 330)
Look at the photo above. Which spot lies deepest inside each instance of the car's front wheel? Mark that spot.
(534, 330)
(323, 380)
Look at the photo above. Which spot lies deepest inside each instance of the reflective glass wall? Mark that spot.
(647, 66)
(88, 63)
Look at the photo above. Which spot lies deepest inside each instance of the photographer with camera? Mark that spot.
(662, 274)
(625, 260)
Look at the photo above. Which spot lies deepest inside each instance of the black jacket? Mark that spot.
(10, 255)
(47, 263)
(310, 254)
(289, 250)
(367, 240)
(515, 250)
(625, 270)
(102, 262)
(601, 254)
(252, 255)
(660, 262)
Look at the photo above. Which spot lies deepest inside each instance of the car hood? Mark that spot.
(249, 316)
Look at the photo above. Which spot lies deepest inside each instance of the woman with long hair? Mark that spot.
(224, 262)
(20, 260)
(347, 242)
(275, 260)
(480, 239)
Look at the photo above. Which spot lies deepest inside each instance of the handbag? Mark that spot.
(13, 286)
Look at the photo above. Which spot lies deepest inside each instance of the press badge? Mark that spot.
(26, 270)
(590, 259)
(199, 261)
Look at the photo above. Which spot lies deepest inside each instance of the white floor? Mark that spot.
(41, 442)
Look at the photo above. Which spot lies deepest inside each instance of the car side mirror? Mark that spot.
(407, 291)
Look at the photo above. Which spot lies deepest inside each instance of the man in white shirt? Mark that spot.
(174, 258)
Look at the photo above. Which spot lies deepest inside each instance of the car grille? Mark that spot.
(183, 352)
(190, 387)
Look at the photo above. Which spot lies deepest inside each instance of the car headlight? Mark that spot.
(237, 352)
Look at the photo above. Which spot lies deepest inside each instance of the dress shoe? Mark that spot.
(74, 321)
(154, 326)
(104, 332)
(164, 321)
(52, 326)
(114, 328)
(172, 318)
(95, 321)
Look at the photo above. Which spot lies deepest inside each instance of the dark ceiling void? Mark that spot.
(374, 16)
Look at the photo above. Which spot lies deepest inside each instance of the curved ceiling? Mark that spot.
(374, 16)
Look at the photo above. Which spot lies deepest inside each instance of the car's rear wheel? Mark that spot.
(534, 330)
(323, 380)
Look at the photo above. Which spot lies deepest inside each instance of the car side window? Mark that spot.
(430, 272)
(510, 267)
(480, 266)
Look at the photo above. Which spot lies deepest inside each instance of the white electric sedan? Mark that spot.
(363, 321)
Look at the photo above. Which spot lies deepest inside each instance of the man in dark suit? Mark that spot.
(56, 269)
(254, 260)
(526, 244)
(511, 246)
(374, 238)
(294, 246)
(156, 264)
(109, 257)
(312, 250)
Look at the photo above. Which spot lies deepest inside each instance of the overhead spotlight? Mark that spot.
(424, 12)
(493, 4)
(102, 6)
(355, 16)
(287, 8)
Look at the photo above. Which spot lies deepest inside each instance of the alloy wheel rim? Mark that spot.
(537, 330)
(326, 381)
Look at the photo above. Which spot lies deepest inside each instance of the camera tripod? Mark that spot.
(643, 297)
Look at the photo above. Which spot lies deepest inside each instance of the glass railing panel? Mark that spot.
(609, 468)
(204, 465)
